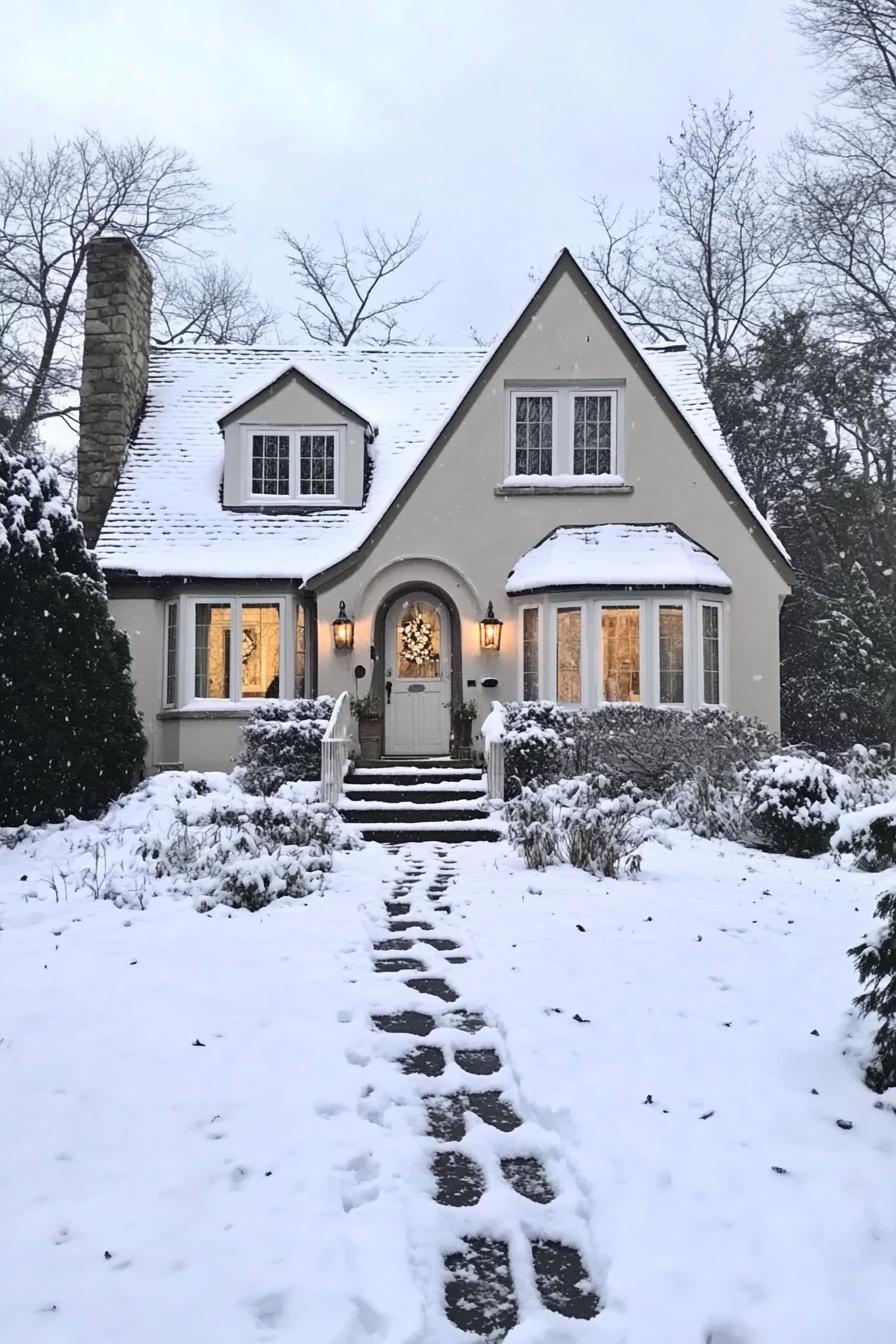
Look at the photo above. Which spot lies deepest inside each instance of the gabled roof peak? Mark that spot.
(249, 391)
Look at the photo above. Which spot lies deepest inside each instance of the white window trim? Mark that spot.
(294, 432)
(563, 420)
(538, 608)
(648, 604)
(186, 654)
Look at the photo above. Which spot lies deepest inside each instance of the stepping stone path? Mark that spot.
(480, 1297)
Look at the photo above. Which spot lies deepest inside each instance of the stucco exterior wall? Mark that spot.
(294, 405)
(455, 523)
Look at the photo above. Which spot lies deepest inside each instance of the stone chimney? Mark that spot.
(114, 373)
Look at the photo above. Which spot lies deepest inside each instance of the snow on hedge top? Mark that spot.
(617, 555)
(167, 516)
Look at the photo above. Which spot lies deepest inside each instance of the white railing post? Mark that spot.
(492, 732)
(335, 751)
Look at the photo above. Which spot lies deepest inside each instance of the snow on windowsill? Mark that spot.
(208, 708)
(549, 484)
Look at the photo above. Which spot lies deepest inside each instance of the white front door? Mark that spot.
(418, 677)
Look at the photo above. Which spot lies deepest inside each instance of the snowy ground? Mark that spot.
(273, 1183)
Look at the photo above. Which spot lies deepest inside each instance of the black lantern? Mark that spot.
(343, 630)
(490, 631)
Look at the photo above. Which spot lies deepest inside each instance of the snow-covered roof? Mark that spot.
(167, 517)
(616, 555)
(254, 387)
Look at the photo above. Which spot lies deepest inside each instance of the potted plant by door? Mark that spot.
(369, 714)
(462, 728)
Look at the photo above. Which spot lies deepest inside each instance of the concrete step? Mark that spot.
(404, 775)
(428, 813)
(413, 793)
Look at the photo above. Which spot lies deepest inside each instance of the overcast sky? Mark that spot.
(494, 118)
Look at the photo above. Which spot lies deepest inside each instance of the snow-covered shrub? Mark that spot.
(70, 735)
(872, 771)
(794, 803)
(656, 748)
(538, 743)
(710, 808)
(876, 964)
(586, 822)
(869, 835)
(281, 743)
(245, 851)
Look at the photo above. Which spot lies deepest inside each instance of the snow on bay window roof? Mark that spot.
(617, 555)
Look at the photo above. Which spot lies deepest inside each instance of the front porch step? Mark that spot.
(411, 812)
(399, 802)
(413, 793)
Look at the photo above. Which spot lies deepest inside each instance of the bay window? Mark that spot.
(671, 655)
(621, 652)
(531, 652)
(569, 655)
(652, 648)
(228, 651)
(711, 644)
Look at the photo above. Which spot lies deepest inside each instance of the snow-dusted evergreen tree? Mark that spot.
(70, 737)
(876, 964)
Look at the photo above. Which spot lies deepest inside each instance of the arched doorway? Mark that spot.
(418, 671)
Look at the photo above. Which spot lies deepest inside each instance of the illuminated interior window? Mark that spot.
(530, 653)
(212, 661)
(621, 641)
(299, 689)
(569, 655)
(260, 651)
(671, 655)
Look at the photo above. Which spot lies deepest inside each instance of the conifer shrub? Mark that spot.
(794, 803)
(70, 736)
(876, 964)
(281, 743)
(869, 835)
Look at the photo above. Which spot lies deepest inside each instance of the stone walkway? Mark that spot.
(415, 942)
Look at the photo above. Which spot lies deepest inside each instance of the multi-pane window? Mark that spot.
(711, 659)
(671, 655)
(530, 653)
(592, 435)
(260, 657)
(533, 435)
(171, 653)
(299, 665)
(317, 464)
(212, 651)
(270, 464)
(621, 641)
(569, 655)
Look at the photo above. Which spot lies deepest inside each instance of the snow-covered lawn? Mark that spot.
(679, 1047)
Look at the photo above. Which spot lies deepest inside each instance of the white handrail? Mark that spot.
(492, 733)
(335, 750)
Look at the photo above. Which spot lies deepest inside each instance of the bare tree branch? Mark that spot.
(343, 293)
(703, 264)
(211, 303)
(51, 206)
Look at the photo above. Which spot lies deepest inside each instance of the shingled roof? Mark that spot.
(167, 517)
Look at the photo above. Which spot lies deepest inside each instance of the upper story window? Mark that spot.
(569, 434)
(294, 464)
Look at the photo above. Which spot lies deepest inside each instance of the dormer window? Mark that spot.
(564, 436)
(285, 465)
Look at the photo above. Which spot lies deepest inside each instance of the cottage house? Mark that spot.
(276, 522)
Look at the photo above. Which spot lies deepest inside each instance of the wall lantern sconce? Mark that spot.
(490, 631)
(343, 630)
